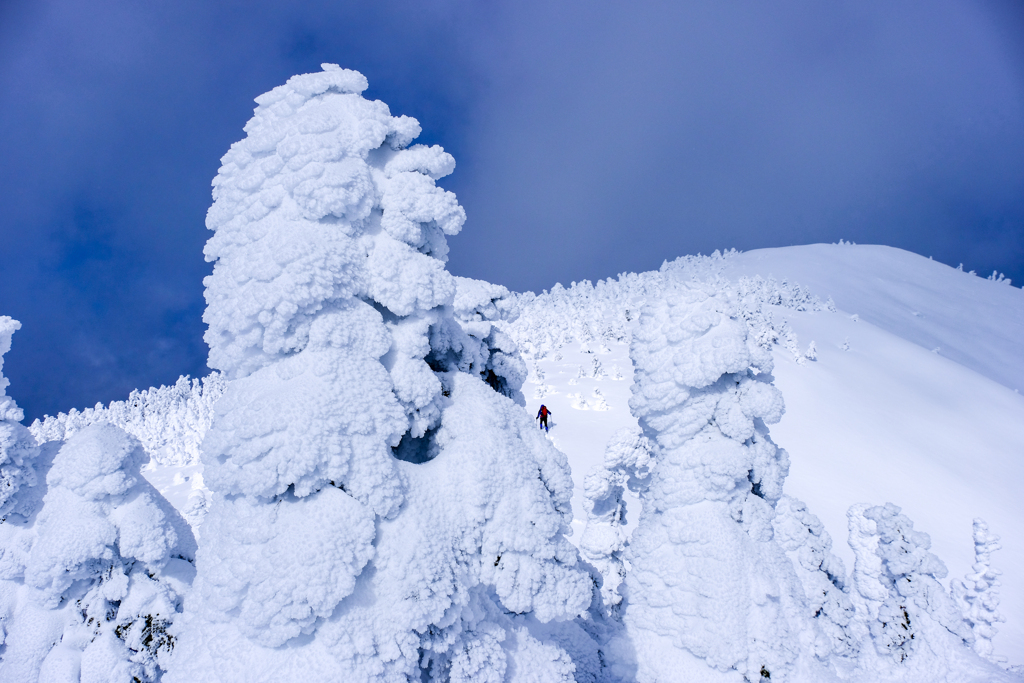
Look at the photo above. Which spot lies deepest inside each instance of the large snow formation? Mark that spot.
(381, 505)
(710, 595)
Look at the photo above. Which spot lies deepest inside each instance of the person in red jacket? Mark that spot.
(542, 415)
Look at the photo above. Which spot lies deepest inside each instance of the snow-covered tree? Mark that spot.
(605, 312)
(627, 464)
(910, 573)
(382, 509)
(918, 632)
(479, 306)
(978, 594)
(802, 535)
(710, 595)
(18, 449)
(868, 590)
(169, 421)
(92, 577)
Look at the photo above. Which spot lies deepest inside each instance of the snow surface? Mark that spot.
(973, 321)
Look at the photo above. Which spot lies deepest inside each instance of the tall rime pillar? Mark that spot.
(329, 256)
(706, 576)
(355, 531)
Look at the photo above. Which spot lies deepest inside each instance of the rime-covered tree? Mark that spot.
(382, 509)
(711, 596)
(627, 465)
(802, 535)
(169, 421)
(977, 594)
(909, 573)
(917, 630)
(18, 450)
(92, 577)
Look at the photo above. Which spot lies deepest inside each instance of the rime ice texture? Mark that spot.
(169, 421)
(95, 572)
(381, 504)
(708, 583)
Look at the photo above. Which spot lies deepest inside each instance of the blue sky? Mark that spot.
(591, 138)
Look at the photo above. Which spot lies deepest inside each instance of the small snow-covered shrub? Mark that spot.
(91, 579)
(759, 299)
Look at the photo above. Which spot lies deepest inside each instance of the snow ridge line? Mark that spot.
(606, 312)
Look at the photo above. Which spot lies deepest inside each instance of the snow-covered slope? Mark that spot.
(976, 322)
(923, 409)
(879, 416)
(901, 379)
(912, 399)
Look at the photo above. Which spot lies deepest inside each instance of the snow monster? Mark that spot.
(382, 507)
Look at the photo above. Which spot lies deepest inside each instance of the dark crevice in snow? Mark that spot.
(499, 384)
(416, 450)
(755, 486)
(384, 311)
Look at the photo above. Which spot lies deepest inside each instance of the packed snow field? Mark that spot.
(789, 464)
